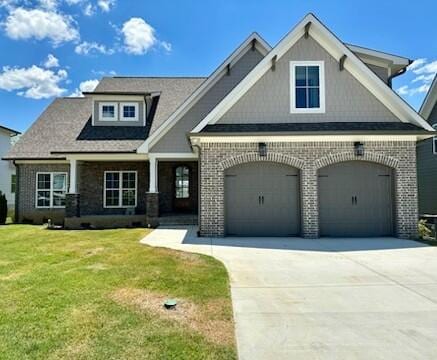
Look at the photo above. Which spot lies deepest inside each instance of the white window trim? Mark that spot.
(319, 110)
(122, 105)
(434, 145)
(51, 190)
(120, 189)
(102, 118)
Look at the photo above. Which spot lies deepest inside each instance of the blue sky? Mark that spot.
(55, 48)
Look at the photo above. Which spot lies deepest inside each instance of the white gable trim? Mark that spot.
(261, 45)
(430, 100)
(336, 49)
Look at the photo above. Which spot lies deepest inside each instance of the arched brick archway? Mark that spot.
(350, 156)
(253, 156)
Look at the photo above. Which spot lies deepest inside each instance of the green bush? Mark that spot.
(424, 230)
(3, 208)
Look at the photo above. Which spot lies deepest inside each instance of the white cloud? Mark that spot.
(51, 61)
(403, 90)
(424, 78)
(89, 10)
(166, 45)
(406, 90)
(33, 82)
(40, 24)
(106, 5)
(139, 36)
(49, 4)
(88, 85)
(429, 68)
(86, 48)
(416, 63)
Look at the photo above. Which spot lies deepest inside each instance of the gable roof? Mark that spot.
(64, 126)
(254, 39)
(336, 49)
(9, 131)
(430, 100)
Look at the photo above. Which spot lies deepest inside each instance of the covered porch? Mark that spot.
(131, 190)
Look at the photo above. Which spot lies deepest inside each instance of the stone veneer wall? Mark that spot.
(26, 194)
(308, 157)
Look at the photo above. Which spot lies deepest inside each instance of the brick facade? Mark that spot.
(308, 157)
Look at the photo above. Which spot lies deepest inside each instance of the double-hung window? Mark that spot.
(129, 112)
(108, 111)
(307, 87)
(51, 188)
(120, 189)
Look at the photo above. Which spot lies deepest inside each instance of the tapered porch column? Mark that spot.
(72, 198)
(152, 197)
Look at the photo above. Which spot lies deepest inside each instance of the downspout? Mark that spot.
(199, 212)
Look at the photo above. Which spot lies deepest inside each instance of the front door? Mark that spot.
(183, 199)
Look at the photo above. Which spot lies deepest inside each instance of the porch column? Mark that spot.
(152, 197)
(72, 198)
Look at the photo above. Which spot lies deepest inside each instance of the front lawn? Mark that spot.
(98, 294)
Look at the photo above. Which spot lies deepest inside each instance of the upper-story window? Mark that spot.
(108, 111)
(307, 87)
(129, 111)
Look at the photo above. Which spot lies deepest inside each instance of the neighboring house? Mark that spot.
(306, 138)
(7, 168)
(427, 156)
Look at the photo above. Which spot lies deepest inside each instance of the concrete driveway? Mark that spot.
(327, 298)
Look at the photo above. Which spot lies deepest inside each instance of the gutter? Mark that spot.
(400, 72)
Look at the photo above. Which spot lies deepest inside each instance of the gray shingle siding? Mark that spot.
(382, 72)
(175, 140)
(269, 99)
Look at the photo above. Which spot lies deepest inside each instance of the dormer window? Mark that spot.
(108, 111)
(307, 87)
(129, 112)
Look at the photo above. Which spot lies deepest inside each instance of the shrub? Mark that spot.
(424, 230)
(3, 208)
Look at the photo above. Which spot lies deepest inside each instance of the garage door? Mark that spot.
(355, 199)
(262, 199)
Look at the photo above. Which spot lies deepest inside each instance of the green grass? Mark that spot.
(98, 295)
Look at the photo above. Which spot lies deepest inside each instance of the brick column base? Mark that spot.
(152, 209)
(72, 205)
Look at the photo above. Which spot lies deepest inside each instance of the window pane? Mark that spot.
(129, 180)
(112, 197)
(300, 72)
(314, 98)
(59, 181)
(313, 76)
(13, 183)
(128, 197)
(43, 181)
(129, 111)
(108, 111)
(301, 98)
(112, 180)
(182, 182)
(43, 198)
(58, 198)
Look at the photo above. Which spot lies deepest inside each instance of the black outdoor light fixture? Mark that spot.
(359, 148)
(262, 149)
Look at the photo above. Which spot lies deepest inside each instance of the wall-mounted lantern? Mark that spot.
(359, 148)
(262, 149)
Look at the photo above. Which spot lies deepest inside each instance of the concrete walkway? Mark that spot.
(327, 298)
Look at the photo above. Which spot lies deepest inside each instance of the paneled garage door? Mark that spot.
(355, 199)
(262, 199)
